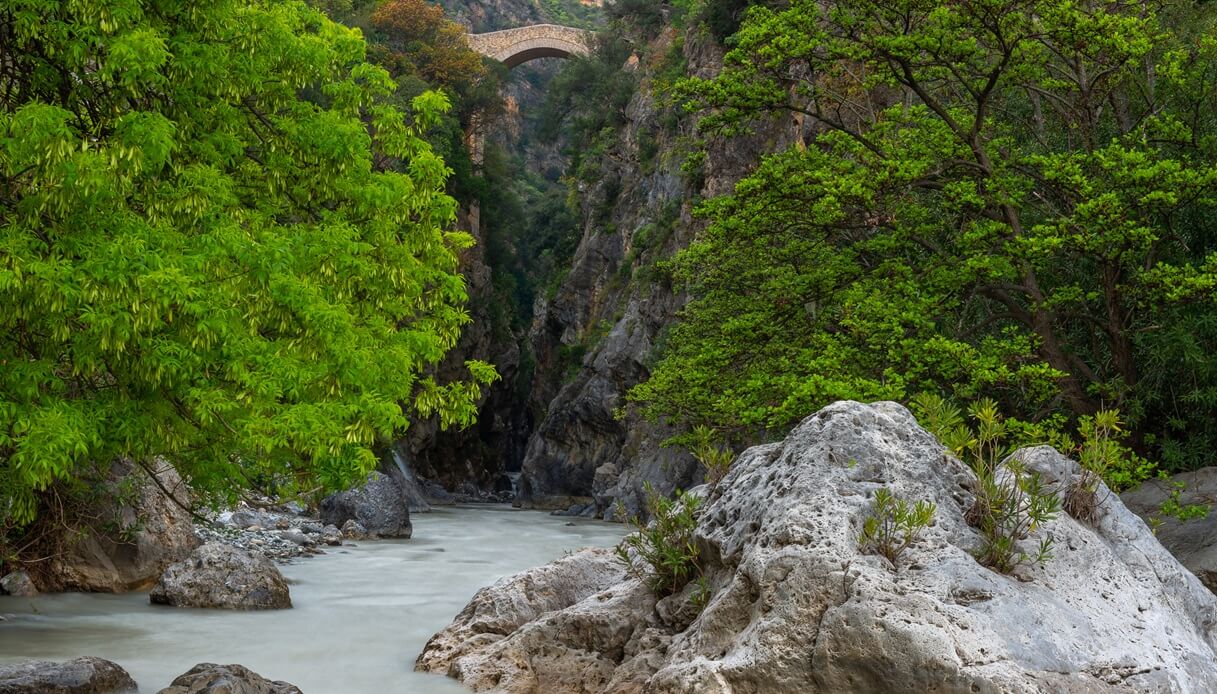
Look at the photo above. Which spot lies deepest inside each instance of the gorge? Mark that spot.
(582, 347)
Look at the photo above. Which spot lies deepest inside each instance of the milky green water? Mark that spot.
(361, 614)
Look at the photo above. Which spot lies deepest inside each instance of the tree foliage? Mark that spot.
(986, 198)
(219, 245)
(421, 41)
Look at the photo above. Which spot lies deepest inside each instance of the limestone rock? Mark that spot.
(331, 535)
(796, 607)
(220, 576)
(208, 678)
(1194, 541)
(18, 583)
(296, 537)
(378, 506)
(87, 675)
(97, 562)
(499, 610)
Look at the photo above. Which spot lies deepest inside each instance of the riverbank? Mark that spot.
(361, 613)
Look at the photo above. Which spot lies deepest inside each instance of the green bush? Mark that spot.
(714, 459)
(1011, 501)
(662, 553)
(894, 525)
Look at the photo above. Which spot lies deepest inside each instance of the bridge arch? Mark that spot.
(514, 47)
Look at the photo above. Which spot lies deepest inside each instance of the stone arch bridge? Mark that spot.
(514, 47)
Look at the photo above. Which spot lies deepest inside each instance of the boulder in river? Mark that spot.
(150, 504)
(18, 583)
(352, 530)
(378, 505)
(208, 678)
(796, 606)
(87, 675)
(1192, 541)
(220, 576)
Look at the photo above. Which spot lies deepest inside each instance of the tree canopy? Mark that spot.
(220, 244)
(1001, 198)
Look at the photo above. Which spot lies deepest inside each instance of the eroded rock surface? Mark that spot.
(796, 607)
(499, 610)
(219, 576)
(379, 506)
(87, 675)
(208, 678)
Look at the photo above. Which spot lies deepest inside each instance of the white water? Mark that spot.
(361, 614)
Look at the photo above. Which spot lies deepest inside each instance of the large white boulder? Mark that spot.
(797, 607)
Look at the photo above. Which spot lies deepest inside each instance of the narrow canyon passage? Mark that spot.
(360, 615)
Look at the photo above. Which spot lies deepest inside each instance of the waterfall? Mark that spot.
(412, 493)
(403, 466)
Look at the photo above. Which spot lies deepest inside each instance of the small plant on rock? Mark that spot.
(1104, 458)
(714, 458)
(662, 553)
(1008, 509)
(894, 525)
(1011, 501)
(1173, 507)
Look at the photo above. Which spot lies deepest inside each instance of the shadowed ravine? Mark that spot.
(361, 614)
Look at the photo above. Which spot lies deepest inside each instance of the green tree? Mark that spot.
(219, 245)
(986, 198)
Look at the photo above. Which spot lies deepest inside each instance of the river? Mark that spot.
(360, 615)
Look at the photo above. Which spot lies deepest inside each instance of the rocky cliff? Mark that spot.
(596, 335)
(796, 605)
(559, 418)
(480, 459)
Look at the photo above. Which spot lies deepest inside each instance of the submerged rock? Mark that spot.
(1192, 541)
(379, 506)
(796, 607)
(223, 577)
(208, 678)
(18, 583)
(87, 675)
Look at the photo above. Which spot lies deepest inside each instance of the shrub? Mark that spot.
(1103, 458)
(714, 459)
(1007, 510)
(1011, 506)
(1011, 502)
(662, 553)
(894, 525)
